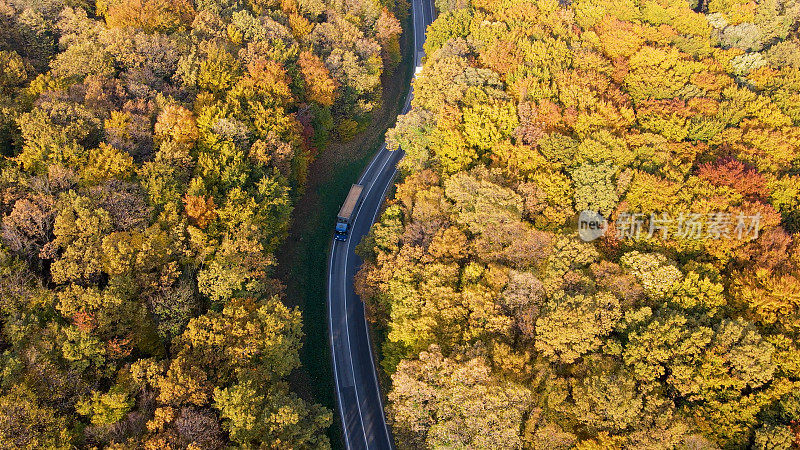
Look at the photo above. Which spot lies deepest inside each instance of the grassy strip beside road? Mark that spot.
(302, 261)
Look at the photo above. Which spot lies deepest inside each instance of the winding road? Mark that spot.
(357, 390)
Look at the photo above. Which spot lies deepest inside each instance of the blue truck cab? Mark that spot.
(341, 231)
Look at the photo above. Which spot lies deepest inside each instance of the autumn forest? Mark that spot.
(504, 328)
(152, 152)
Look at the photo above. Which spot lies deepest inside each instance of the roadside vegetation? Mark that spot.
(302, 260)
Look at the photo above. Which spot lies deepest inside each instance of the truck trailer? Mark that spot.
(343, 221)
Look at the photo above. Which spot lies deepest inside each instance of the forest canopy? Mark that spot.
(503, 328)
(152, 151)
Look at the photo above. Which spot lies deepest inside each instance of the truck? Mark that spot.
(346, 213)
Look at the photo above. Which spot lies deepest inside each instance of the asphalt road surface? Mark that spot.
(357, 391)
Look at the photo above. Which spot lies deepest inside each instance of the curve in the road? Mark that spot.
(356, 382)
